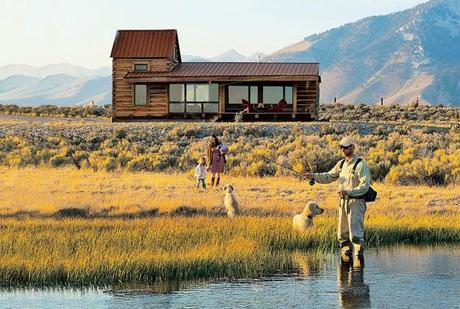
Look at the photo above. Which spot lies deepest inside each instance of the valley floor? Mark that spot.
(150, 227)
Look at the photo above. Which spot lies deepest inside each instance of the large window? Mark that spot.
(193, 98)
(274, 94)
(238, 93)
(176, 98)
(202, 92)
(288, 94)
(268, 94)
(140, 94)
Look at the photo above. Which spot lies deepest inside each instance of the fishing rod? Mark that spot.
(290, 168)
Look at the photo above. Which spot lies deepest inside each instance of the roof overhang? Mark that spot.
(220, 79)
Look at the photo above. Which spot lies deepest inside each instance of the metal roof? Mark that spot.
(233, 69)
(144, 44)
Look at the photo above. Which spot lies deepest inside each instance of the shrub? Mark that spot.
(142, 163)
(405, 156)
(58, 160)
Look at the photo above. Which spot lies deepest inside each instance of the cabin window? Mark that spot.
(176, 98)
(238, 93)
(176, 92)
(202, 92)
(140, 94)
(141, 67)
(274, 94)
(288, 94)
(193, 98)
(253, 93)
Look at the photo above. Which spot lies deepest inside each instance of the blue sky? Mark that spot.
(81, 32)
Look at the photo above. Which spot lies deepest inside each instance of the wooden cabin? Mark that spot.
(150, 81)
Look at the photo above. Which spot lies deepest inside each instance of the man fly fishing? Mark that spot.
(354, 183)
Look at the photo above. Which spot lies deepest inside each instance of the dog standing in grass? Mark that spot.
(230, 202)
(303, 221)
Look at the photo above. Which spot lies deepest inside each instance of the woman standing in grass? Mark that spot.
(216, 159)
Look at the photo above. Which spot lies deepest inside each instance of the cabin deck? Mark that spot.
(224, 117)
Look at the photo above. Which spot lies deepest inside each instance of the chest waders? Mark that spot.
(346, 199)
(351, 219)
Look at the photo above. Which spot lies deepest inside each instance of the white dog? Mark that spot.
(304, 220)
(230, 202)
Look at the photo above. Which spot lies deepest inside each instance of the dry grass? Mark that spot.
(110, 250)
(46, 190)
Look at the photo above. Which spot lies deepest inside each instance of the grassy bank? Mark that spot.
(113, 251)
(184, 235)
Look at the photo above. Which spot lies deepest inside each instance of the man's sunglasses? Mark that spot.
(344, 147)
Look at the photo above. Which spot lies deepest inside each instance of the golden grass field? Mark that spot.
(47, 190)
(40, 249)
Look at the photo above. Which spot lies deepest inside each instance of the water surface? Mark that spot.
(393, 277)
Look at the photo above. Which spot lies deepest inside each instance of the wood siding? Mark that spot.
(122, 91)
(221, 98)
(307, 96)
(305, 92)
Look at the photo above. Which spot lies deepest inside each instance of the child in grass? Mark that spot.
(200, 173)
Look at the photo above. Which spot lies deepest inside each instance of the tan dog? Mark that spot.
(230, 202)
(304, 220)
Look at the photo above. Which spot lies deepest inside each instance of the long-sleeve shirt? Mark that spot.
(356, 184)
(200, 171)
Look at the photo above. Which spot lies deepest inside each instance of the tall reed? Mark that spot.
(82, 252)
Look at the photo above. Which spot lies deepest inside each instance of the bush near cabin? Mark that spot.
(398, 154)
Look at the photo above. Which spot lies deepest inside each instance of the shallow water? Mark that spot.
(393, 277)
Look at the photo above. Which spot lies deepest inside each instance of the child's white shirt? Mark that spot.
(200, 171)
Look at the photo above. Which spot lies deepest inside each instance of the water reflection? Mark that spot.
(309, 263)
(427, 276)
(353, 292)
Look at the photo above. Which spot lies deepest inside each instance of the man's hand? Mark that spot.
(342, 193)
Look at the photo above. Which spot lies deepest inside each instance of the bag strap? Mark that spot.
(356, 164)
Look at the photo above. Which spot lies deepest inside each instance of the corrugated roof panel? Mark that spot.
(144, 44)
(231, 69)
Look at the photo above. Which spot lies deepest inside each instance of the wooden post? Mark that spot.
(381, 101)
(294, 99)
(221, 99)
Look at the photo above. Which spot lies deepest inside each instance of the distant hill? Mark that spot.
(57, 89)
(52, 69)
(228, 56)
(401, 56)
(58, 84)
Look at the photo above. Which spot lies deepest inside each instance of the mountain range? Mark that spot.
(228, 56)
(402, 56)
(405, 56)
(66, 84)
